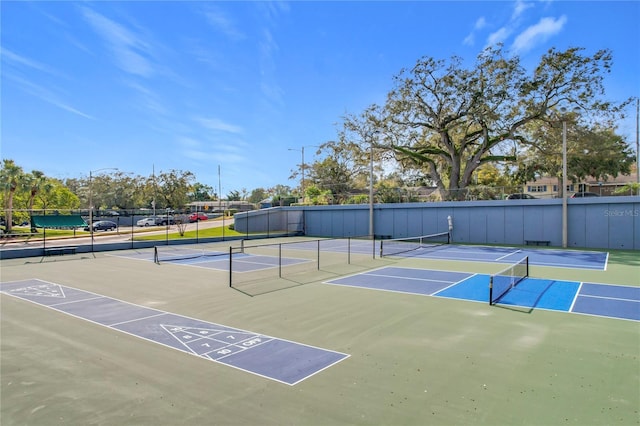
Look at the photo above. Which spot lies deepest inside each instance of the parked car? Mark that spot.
(584, 194)
(194, 217)
(147, 221)
(102, 225)
(520, 196)
(165, 221)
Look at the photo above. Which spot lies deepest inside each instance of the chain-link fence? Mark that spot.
(44, 232)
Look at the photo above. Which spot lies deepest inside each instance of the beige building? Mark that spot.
(547, 187)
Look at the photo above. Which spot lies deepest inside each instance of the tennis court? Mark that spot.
(578, 259)
(441, 250)
(604, 300)
(217, 257)
(127, 338)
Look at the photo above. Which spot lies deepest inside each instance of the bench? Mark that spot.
(49, 251)
(537, 242)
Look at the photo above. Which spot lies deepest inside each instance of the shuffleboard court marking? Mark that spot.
(214, 343)
(41, 290)
(270, 357)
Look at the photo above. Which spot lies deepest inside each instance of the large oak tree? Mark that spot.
(449, 119)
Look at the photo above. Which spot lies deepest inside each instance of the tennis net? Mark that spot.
(508, 278)
(396, 246)
(177, 253)
(257, 267)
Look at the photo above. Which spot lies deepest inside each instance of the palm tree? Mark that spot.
(11, 177)
(33, 182)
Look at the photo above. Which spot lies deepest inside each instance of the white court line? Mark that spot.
(138, 319)
(405, 278)
(79, 300)
(610, 298)
(575, 297)
(507, 255)
(456, 283)
(148, 339)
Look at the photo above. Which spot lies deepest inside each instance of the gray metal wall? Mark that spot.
(603, 222)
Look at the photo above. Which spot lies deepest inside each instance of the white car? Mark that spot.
(147, 221)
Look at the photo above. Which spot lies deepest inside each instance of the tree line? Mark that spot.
(445, 124)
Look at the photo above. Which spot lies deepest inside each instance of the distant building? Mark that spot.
(220, 206)
(266, 203)
(547, 187)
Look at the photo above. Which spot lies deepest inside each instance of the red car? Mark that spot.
(194, 217)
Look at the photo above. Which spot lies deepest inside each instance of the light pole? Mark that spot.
(564, 179)
(371, 230)
(371, 227)
(303, 165)
(565, 182)
(91, 200)
(638, 145)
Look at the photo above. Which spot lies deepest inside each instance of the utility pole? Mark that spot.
(638, 145)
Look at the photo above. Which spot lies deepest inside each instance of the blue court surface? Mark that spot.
(539, 257)
(215, 260)
(277, 359)
(613, 301)
(577, 259)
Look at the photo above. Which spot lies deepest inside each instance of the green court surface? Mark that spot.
(414, 360)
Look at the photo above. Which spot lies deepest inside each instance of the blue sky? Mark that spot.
(199, 85)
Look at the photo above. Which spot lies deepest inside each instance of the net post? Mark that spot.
(373, 240)
(242, 245)
(155, 255)
(527, 266)
(491, 290)
(349, 250)
(280, 260)
(230, 268)
(318, 263)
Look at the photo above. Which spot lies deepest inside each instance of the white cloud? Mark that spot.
(204, 152)
(149, 100)
(519, 8)
(469, 40)
(129, 50)
(19, 60)
(209, 157)
(222, 23)
(186, 142)
(45, 94)
(498, 36)
(504, 32)
(538, 33)
(218, 125)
